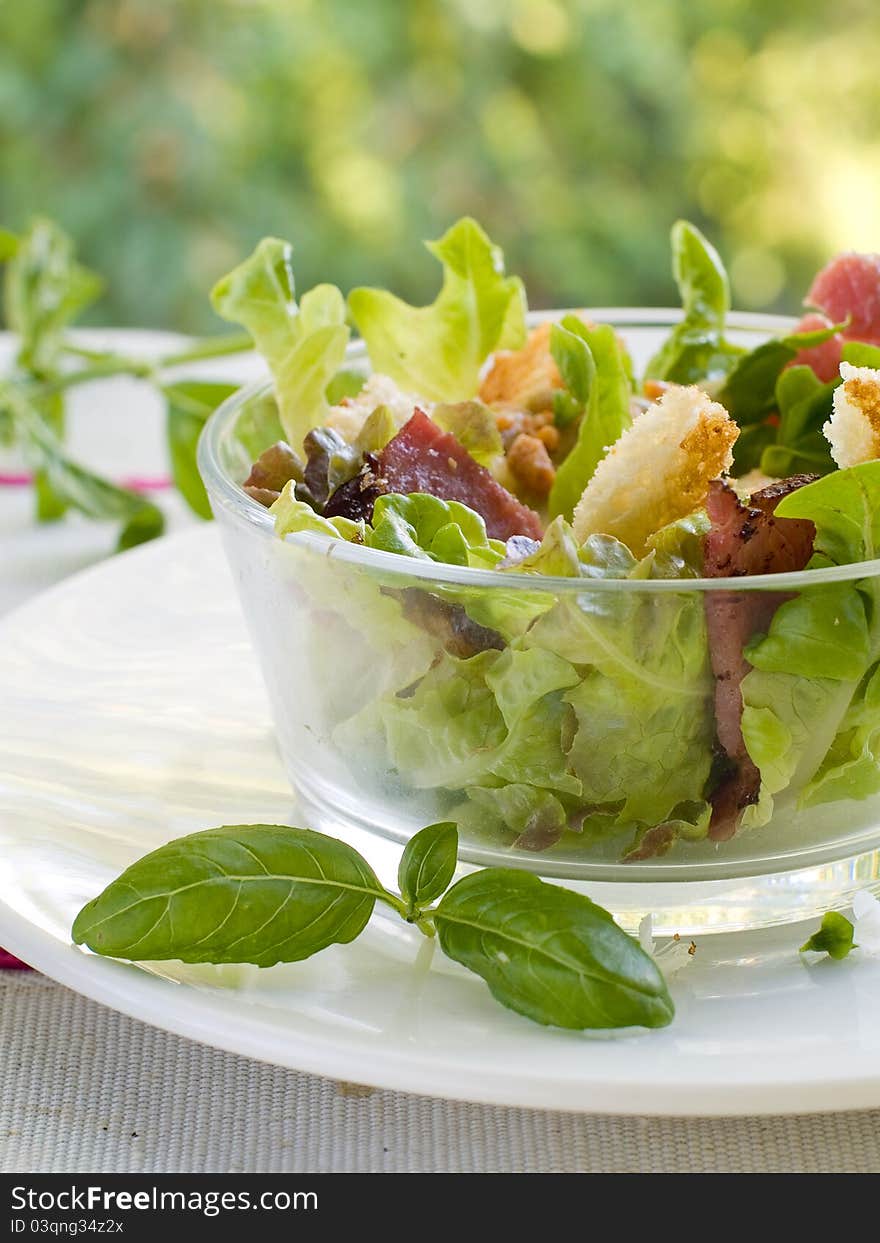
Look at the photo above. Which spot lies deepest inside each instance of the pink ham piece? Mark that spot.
(744, 540)
(422, 458)
(824, 358)
(849, 286)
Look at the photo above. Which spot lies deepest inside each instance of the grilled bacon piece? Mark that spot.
(744, 540)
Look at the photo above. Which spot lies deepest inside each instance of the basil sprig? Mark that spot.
(267, 894)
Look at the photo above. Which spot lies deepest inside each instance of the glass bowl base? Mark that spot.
(677, 906)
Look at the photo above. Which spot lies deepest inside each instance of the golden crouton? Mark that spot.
(853, 431)
(523, 378)
(530, 464)
(659, 470)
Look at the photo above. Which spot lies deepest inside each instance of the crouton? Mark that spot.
(659, 470)
(853, 431)
(530, 464)
(379, 390)
(524, 379)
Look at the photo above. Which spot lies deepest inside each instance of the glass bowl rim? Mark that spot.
(224, 489)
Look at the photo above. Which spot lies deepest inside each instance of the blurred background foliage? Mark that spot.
(168, 135)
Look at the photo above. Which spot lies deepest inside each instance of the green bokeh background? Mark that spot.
(169, 135)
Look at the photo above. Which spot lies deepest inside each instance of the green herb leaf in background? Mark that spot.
(45, 288)
(549, 953)
(244, 893)
(437, 351)
(189, 404)
(834, 937)
(427, 866)
(70, 485)
(8, 244)
(696, 349)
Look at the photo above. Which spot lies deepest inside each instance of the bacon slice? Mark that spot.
(744, 540)
(423, 458)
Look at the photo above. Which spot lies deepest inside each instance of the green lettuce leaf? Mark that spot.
(861, 354)
(437, 350)
(474, 426)
(423, 526)
(303, 345)
(642, 742)
(804, 404)
(749, 392)
(810, 700)
(526, 814)
(676, 550)
(602, 390)
(696, 349)
(292, 516)
(494, 718)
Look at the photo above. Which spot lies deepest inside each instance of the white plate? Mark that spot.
(133, 712)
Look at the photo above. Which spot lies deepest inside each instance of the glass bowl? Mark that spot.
(385, 724)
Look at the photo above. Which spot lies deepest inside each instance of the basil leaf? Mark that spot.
(696, 349)
(45, 289)
(253, 893)
(427, 865)
(189, 405)
(550, 954)
(834, 937)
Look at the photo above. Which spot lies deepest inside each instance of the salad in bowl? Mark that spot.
(586, 599)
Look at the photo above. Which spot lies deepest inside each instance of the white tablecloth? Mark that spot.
(85, 1089)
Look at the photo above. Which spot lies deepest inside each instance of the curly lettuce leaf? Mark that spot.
(604, 390)
(642, 742)
(696, 349)
(810, 699)
(496, 717)
(438, 350)
(304, 345)
(293, 516)
(425, 527)
(533, 817)
(676, 550)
